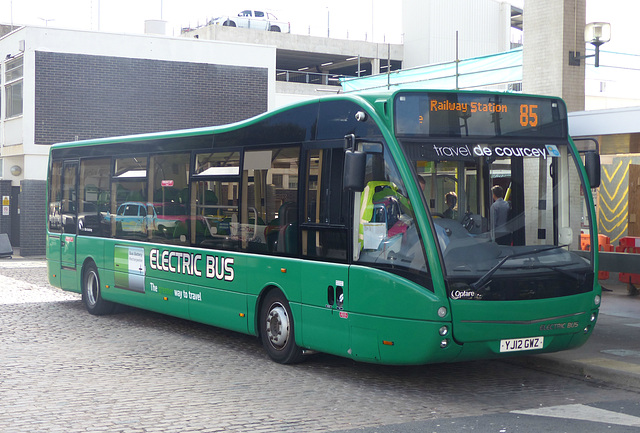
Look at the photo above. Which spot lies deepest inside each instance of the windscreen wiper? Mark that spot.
(558, 268)
(483, 280)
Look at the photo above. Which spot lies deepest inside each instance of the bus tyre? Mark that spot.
(91, 295)
(277, 329)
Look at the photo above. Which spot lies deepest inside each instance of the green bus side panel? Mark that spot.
(70, 279)
(153, 299)
(262, 273)
(324, 330)
(398, 341)
(252, 313)
(53, 259)
(207, 286)
(380, 293)
(265, 271)
(324, 307)
(218, 308)
(91, 247)
(69, 272)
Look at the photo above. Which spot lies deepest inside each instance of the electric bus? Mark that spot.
(358, 225)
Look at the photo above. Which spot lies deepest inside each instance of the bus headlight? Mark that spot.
(444, 343)
(593, 317)
(596, 300)
(443, 331)
(442, 312)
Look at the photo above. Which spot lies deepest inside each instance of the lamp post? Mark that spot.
(596, 34)
(328, 26)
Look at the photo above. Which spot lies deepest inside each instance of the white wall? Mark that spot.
(484, 27)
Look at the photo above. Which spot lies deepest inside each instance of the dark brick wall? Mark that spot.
(33, 215)
(98, 96)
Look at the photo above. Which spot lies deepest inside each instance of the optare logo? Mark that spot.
(463, 294)
(552, 150)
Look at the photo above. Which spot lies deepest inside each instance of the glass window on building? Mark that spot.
(13, 87)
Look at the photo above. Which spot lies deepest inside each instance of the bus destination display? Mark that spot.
(479, 115)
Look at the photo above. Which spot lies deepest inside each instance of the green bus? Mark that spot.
(361, 225)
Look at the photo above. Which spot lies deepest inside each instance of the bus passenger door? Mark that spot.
(325, 215)
(68, 214)
(325, 314)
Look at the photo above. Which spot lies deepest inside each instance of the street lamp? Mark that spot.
(327, 21)
(596, 34)
(46, 21)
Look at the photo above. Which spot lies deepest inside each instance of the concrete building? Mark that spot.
(310, 65)
(430, 26)
(60, 85)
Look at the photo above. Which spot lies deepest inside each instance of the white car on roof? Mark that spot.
(253, 19)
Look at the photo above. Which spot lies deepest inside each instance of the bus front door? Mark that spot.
(68, 214)
(325, 301)
(324, 240)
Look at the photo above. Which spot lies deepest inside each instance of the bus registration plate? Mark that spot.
(519, 344)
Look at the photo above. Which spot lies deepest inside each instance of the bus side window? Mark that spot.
(128, 192)
(55, 196)
(167, 210)
(324, 230)
(269, 209)
(94, 192)
(214, 200)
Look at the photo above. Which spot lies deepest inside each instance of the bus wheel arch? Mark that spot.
(91, 290)
(276, 327)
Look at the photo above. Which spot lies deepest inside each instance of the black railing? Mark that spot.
(316, 78)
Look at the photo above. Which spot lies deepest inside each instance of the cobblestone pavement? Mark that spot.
(63, 370)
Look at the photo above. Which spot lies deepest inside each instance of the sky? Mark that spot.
(377, 20)
(128, 16)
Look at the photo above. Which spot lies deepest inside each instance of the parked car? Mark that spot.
(252, 19)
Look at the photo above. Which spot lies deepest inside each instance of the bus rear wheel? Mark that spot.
(277, 329)
(91, 293)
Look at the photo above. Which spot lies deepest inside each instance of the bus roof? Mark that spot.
(371, 98)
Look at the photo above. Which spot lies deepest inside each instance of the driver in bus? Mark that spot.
(451, 200)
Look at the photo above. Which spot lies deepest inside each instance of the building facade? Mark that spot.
(61, 85)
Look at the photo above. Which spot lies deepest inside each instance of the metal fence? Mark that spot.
(308, 77)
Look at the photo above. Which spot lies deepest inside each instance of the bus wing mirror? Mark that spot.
(592, 166)
(354, 168)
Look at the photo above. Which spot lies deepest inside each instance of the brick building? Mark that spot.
(62, 85)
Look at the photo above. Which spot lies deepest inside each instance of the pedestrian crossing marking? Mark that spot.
(583, 413)
(622, 352)
(613, 364)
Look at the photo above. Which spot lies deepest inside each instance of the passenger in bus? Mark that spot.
(451, 199)
(499, 214)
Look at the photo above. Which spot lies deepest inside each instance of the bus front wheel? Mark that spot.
(91, 294)
(277, 329)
